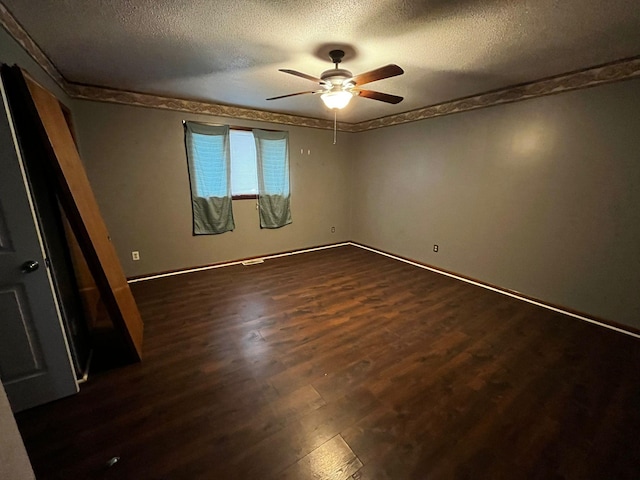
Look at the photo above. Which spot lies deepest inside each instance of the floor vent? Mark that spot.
(255, 261)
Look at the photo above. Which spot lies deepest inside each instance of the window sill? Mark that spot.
(244, 197)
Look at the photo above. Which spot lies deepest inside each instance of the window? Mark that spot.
(244, 171)
(226, 164)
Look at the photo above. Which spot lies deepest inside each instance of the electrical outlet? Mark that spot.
(435, 248)
(135, 255)
(333, 229)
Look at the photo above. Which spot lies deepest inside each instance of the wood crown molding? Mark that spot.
(590, 77)
(88, 92)
(613, 72)
(23, 39)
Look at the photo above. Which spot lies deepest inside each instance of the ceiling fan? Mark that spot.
(339, 85)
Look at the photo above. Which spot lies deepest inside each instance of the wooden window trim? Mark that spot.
(244, 197)
(233, 127)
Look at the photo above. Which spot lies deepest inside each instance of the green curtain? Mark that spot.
(274, 197)
(209, 160)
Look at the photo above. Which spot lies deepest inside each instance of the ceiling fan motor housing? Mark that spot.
(336, 76)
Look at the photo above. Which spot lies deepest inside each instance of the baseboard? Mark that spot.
(241, 261)
(626, 329)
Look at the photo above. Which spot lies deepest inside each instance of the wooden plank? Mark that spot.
(82, 210)
(332, 460)
(430, 378)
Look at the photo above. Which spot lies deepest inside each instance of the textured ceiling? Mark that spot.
(230, 52)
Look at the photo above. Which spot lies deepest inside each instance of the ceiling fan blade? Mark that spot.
(378, 74)
(383, 97)
(303, 75)
(294, 94)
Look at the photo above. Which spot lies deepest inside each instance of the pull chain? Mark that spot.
(335, 125)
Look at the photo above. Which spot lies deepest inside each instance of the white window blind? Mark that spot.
(210, 175)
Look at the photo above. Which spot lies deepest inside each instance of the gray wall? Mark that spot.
(14, 462)
(136, 163)
(540, 196)
(13, 54)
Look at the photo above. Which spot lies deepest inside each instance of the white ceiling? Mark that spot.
(229, 52)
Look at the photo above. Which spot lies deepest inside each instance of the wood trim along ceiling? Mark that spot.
(20, 35)
(613, 72)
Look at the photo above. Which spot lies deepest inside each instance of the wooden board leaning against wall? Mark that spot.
(93, 307)
(81, 209)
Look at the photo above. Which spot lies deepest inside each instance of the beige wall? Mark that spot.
(135, 159)
(540, 196)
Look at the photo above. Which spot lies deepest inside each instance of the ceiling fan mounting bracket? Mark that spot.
(336, 56)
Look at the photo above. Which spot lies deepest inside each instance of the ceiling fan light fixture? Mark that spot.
(338, 85)
(336, 99)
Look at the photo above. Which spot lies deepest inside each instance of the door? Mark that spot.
(35, 364)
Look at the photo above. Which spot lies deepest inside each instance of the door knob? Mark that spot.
(30, 266)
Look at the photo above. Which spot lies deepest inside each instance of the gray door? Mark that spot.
(35, 365)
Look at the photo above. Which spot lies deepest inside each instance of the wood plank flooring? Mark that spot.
(344, 364)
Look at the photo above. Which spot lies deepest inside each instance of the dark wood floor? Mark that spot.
(346, 364)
